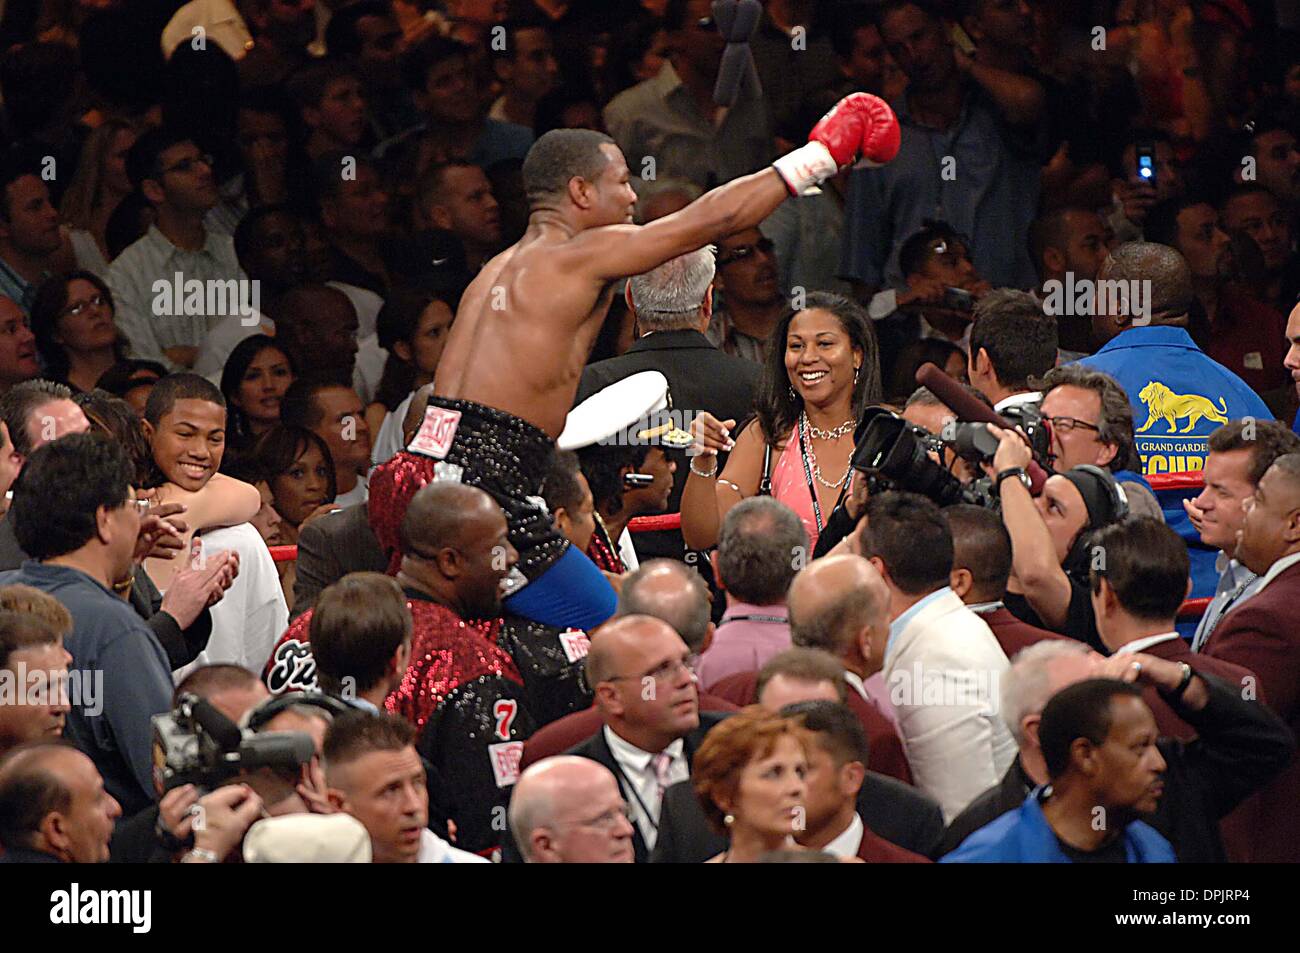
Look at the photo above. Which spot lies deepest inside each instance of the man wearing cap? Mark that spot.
(673, 305)
(626, 439)
(1050, 554)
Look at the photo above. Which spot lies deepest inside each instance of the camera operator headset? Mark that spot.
(1050, 537)
(248, 793)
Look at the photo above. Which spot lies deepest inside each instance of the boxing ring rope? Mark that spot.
(1191, 480)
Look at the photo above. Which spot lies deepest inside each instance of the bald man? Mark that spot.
(569, 810)
(1262, 636)
(646, 693)
(54, 806)
(667, 589)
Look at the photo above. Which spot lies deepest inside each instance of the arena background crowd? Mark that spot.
(759, 595)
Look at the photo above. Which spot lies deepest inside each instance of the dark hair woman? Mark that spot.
(822, 369)
(254, 380)
(300, 472)
(72, 319)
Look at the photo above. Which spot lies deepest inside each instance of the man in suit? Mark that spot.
(981, 566)
(1240, 454)
(839, 604)
(837, 767)
(673, 305)
(1240, 744)
(1135, 597)
(329, 548)
(665, 589)
(1262, 636)
(646, 693)
(940, 660)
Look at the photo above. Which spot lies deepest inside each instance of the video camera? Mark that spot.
(197, 744)
(895, 454)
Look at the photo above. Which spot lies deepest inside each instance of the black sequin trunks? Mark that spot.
(508, 458)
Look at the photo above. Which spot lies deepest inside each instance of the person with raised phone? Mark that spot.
(534, 311)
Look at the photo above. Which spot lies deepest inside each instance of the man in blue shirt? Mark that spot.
(1179, 395)
(74, 512)
(966, 157)
(1098, 739)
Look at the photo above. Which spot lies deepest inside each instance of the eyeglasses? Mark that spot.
(608, 821)
(741, 252)
(1067, 424)
(98, 301)
(185, 165)
(141, 507)
(666, 671)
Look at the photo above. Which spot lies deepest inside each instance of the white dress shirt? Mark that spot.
(1275, 570)
(253, 613)
(435, 850)
(358, 494)
(1015, 400)
(849, 842)
(638, 772)
(1141, 645)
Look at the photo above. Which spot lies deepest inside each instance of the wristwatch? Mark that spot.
(1018, 472)
(1175, 696)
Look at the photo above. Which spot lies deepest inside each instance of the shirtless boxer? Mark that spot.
(527, 323)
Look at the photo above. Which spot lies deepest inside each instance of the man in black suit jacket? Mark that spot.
(331, 547)
(648, 699)
(672, 305)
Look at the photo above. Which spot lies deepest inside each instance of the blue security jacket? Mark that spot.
(1023, 836)
(1179, 396)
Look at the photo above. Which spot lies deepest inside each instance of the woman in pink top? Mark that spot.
(822, 369)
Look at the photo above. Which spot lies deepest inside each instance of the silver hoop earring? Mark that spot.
(792, 392)
(855, 374)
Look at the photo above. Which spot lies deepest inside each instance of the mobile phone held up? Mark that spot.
(1145, 153)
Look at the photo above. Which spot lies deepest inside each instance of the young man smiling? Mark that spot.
(185, 419)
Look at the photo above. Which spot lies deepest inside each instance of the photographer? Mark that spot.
(1049, 537)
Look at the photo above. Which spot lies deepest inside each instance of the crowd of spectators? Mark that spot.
(235, 237)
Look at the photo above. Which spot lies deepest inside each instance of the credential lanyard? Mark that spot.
(812, 489)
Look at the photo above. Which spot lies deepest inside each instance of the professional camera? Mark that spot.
(895, 455)
(1029, 418)
(197, 744)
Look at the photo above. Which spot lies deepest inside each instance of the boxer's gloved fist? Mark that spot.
(859, 125)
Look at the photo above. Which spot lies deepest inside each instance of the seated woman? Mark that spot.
(133, 381)
(254, 380)
(72, 319)
(748, 775)
(300, 475)
(185, 420)
(412, 326)
(820, 372)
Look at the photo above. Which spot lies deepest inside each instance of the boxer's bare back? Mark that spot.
(527, 323)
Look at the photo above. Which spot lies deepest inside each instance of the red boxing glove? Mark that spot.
(859, 125)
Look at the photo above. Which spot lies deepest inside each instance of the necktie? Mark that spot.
(660, 764)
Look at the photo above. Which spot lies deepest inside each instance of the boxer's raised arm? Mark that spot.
(859, 126)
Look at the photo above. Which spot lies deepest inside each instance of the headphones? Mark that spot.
(257, 719)
(1117, 502)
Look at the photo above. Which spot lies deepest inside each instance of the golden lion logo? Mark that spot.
(1164, 404)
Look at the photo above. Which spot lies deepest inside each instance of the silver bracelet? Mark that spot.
(201, 855)
(708, 476)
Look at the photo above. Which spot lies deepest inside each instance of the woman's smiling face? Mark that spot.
(819, 356)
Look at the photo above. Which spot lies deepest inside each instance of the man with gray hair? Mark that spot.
(1240, 744)
(569, 810)
(761, 546)
(673, 305)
